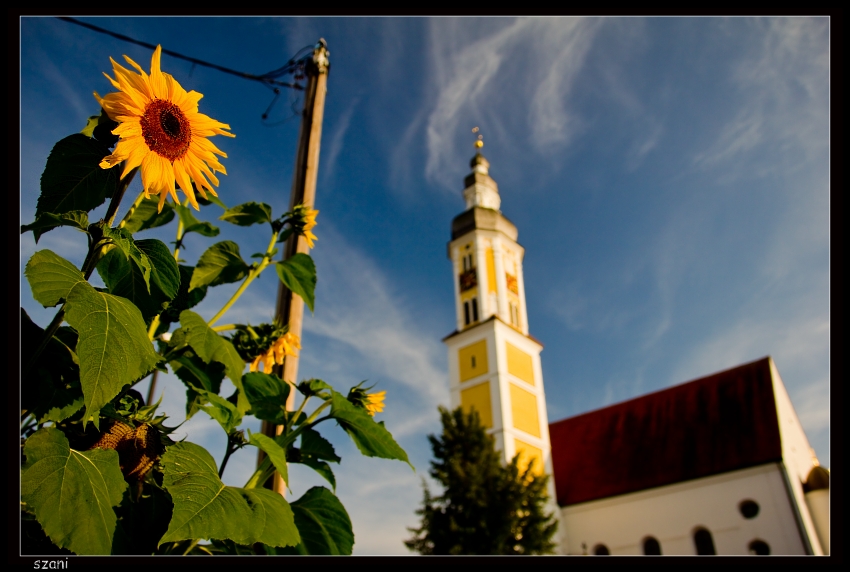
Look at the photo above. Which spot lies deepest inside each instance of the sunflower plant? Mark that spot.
(101, 472)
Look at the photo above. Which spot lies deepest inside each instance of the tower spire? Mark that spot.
(481, 190)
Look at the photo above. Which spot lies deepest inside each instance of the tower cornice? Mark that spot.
(479, 218)
(493, 318)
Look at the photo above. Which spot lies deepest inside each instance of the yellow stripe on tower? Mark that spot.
(478, 397)
(491, 271)
(524, 410)
(528, 453)
(473, 360)
(520, 364)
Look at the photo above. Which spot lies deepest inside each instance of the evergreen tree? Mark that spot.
(486, 507)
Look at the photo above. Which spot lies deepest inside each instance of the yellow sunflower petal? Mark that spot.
(185, 183)
(136, 152)
(310, 237)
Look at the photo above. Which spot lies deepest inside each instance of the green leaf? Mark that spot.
(221, 410)
(323, 523)
(267, 394)
(275, 452)
(165, 276)
(72, 492)
(48, 221)
(51, 277)
(205, 508)
(315, 449)
(113, 346)
(124, 278)
(191, 224)
(147, 216)
(247, 214)
(371, 438)
(210, 200)
(100, 127)
(315, 387)
(142, 520)
(58, 401)
(51, 391)
(126, 245)
(184, 299)
(316, 446)
(91, 123)
(194, 372)
(73, 179)
(209, 346)
(268, 255)
(298, 273)
(219, 264)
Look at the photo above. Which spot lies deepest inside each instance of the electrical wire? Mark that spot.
(293, 66)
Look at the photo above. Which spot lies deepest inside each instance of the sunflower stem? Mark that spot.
(191, 546)
(256, 271)
(132, 210)
(232, 446)
(260, 475)
(180, 235)
(156, 321)
(224, 328)
(310, 420)
(153, 328)
(119, 194)
(288, 425)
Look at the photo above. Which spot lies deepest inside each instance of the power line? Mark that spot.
(294, 66)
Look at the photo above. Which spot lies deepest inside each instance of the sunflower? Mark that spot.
(371, 402)
(281, 348)
(375, 402)
(303, 221)
(310, 222)
(161, 130)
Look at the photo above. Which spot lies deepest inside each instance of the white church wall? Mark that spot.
(797, 454)
(818, 505)
(672, 513)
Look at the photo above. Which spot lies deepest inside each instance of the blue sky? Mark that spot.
(669, 178)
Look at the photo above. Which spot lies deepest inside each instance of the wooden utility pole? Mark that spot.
(290, 307)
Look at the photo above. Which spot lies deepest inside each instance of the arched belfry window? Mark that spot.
(651, 546)
(704, 542)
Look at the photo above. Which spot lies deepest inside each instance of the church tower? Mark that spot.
(494, 364)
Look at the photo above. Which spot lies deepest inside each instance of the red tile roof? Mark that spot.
(712, 425)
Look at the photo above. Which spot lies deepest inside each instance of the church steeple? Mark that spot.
(481, 190)
(494, 364)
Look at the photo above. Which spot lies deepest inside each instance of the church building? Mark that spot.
(718, 465)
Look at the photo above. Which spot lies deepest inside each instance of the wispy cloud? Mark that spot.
(783, 84)
(336, 140)
(473, 79)
(82, 106)
(570, 39)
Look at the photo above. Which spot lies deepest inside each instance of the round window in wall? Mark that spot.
(759, 547)
(749, 508)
